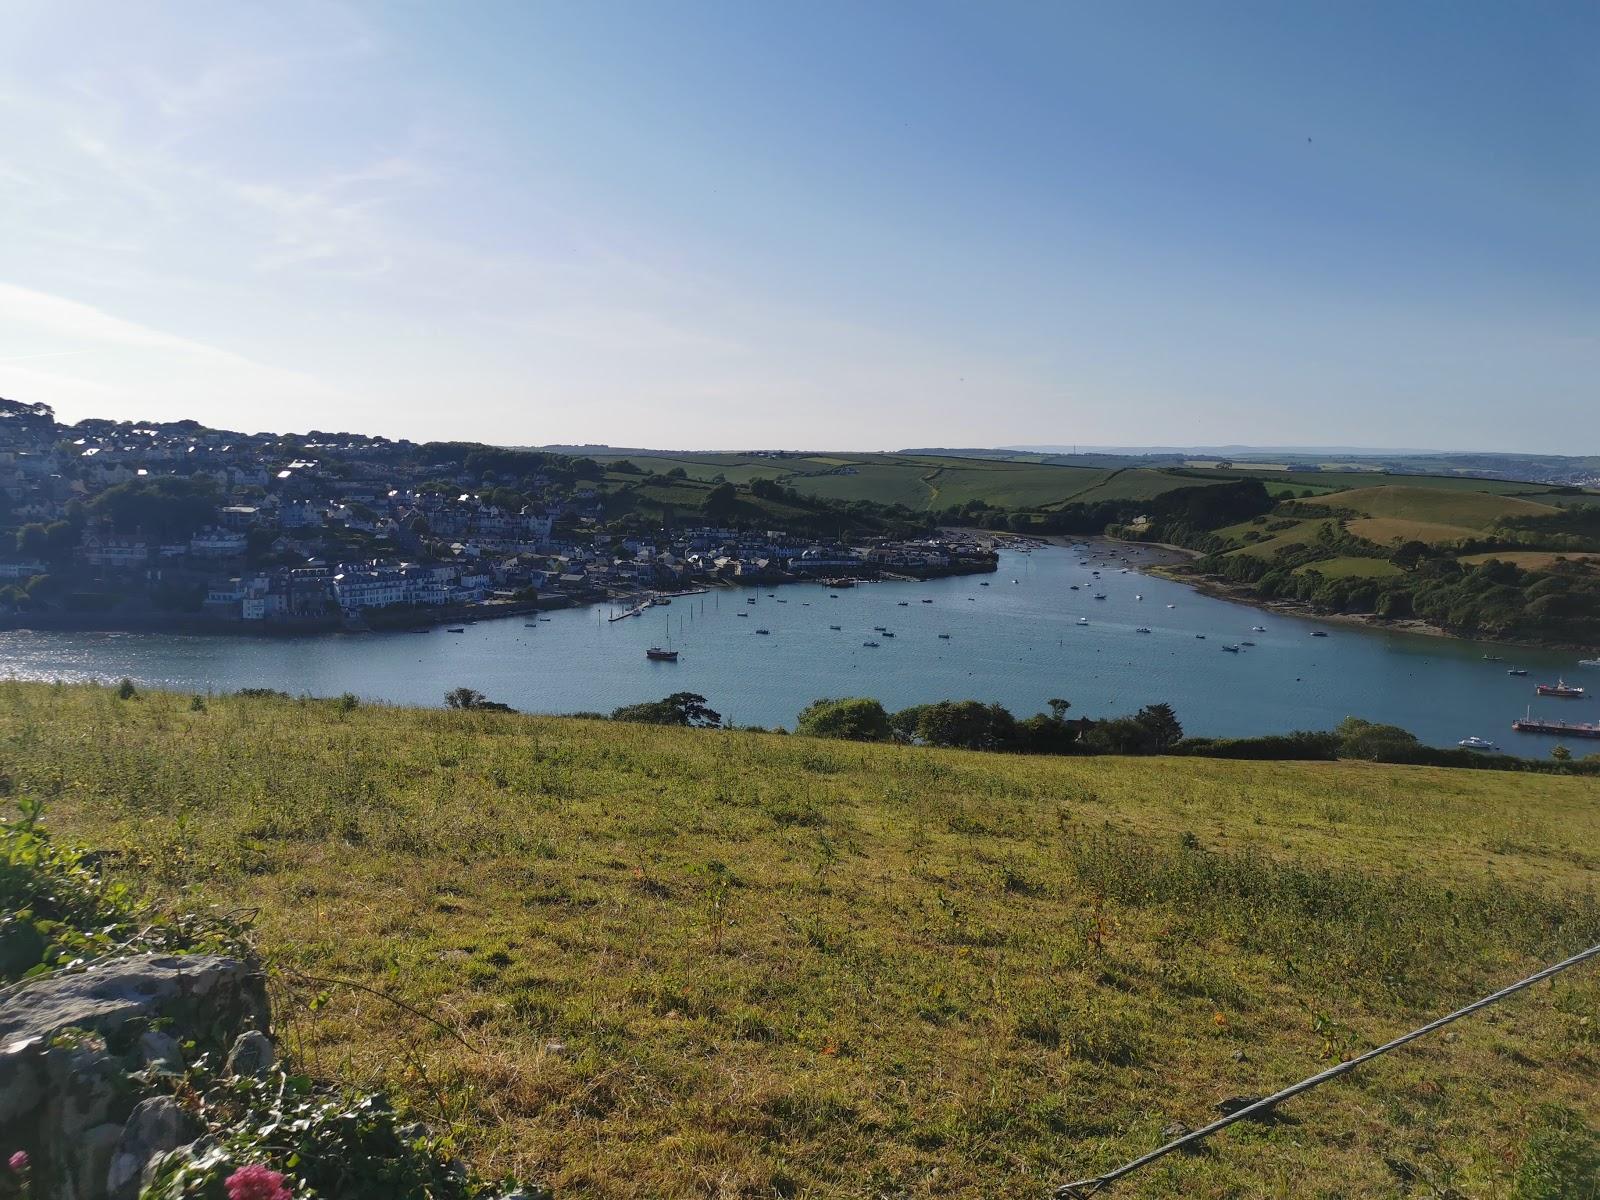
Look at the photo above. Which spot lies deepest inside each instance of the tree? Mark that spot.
(1374, 742)
(720, 500)
(857, 719)
(680, 708)
(470, 699)
(677, 473)
(168, 507)
(962, 724)
(1058, 707)
(1410, 554)
(1162, 722)
(1121, 735)
(1561, 754)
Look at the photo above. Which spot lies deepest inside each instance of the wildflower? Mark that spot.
(256, 1182)
(19, 1161)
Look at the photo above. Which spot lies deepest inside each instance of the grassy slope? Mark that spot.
(1394, 512)
(779, 966)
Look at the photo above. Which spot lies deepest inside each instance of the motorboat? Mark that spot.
(657, 654)
(1476, 743)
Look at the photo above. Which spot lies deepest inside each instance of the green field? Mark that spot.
(1351, 568)
(928, 482)
(711, 964)
(1401, 513)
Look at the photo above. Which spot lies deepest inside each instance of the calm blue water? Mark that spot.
(1015, 642)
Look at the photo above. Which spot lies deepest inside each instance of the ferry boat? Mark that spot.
(657, 654)
(1528, 723)
(1561, 689)
(1476, 743)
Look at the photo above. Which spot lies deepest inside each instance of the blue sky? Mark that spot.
(852, 225)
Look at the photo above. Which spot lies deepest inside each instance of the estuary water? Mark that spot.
(1014, 636)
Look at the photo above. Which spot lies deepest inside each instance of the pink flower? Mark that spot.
(256, 1182)
(18, 1162)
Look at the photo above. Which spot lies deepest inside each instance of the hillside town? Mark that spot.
(173, 525)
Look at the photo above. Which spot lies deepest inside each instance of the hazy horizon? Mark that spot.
(840, 224)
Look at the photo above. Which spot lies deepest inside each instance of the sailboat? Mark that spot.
(663, 653)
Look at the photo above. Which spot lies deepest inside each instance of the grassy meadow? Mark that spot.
(685, 963)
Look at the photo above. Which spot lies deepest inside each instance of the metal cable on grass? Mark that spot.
(1084, 1188)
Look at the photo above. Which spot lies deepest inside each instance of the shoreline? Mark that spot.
(1208, 585)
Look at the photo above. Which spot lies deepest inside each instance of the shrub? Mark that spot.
(856, 718)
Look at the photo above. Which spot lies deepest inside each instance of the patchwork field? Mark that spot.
(1403, 513)
(679, 963)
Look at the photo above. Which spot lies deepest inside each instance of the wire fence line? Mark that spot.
(1084, 1188)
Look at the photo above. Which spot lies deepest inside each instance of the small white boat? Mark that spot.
(1083, 620)
(1258, 629)
(1172, 606)
(1476, 743)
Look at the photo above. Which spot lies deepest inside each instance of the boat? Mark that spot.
(870, 645)
(1318, 633)
(1493, 658)
(763, 632)
(1231, 649)
(902, 603)
(1258, 629)
(1560, 689)
(1517, 671)
(749, 599)
(1476, 743)
(1589, 662)
(927, 601)
(945, 636)
(985, 583)
(657, 654)
(1083, 620)
(1528, 723)
(1142, 629)
(886, 633)
(457, 629)
(741, 614)
(1074, 587)
(1200, 637)
(1138, 596)
(833, 595)
(525, 625)
(835, 627)
(1247, 643)
(1099, 595)
(1172, 606)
